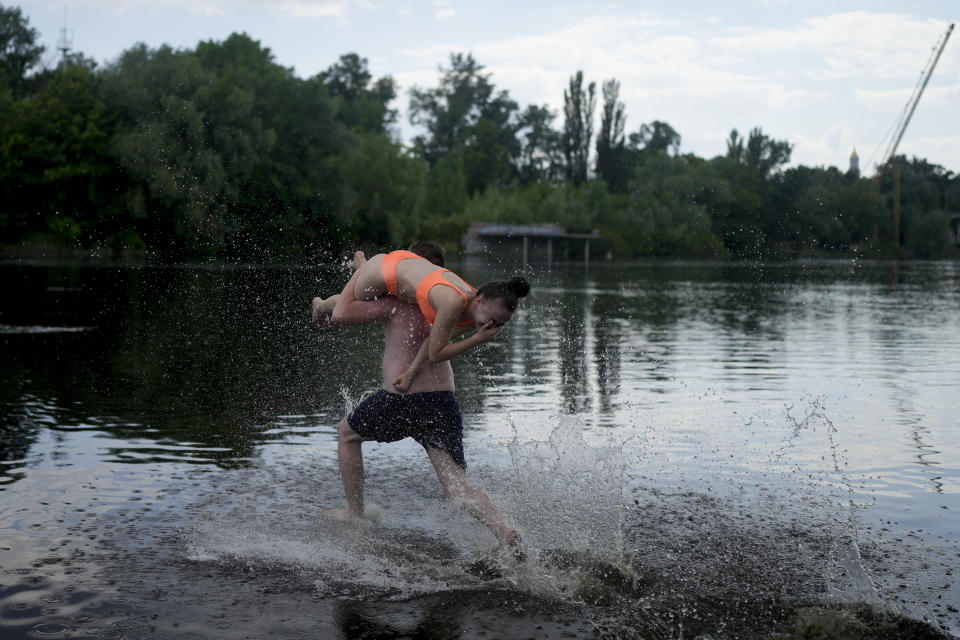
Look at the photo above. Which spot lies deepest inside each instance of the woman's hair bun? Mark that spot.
(519, 286)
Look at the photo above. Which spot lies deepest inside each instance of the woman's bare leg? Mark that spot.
(358, 259)
(321, 308)
(370, 284)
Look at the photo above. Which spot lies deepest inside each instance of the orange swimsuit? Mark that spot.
(390, 262)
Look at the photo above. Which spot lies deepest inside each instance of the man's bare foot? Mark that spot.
(343, 515)
(358, 259)
(370, 515)
(513, 544)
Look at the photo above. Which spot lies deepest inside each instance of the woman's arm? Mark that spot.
(445, 329)
(405, 379)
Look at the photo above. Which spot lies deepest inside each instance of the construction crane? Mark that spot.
(901, 127)
(904, 120)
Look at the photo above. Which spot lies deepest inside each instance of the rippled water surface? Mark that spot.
(690, 450)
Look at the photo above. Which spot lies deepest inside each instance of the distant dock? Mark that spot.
(528, 242)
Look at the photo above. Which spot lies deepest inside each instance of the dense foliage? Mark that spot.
(219, 151)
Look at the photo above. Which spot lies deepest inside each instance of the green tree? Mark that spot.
(815, 209)
(447, 187)
(56, 172)
(613, 162)
(19, 51)
(466, 116)
(578, 105)
(167, 143)
(287, 204)
(799, 223)
(737, 201)
(363, 102)
(502, 205)
(382, 191)
(735, 144)
(667, 208)
(759, 151)
(922, 189)
(226, 148)
(656, 137)
(541, 155)
(291, 199)
(927, 233)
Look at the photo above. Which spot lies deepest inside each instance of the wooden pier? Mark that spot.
(529, 242)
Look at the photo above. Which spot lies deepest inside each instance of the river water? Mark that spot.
(709, 450)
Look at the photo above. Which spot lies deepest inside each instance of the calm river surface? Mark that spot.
(690, 450)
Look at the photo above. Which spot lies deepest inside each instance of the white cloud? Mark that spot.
(209, 8)
(662, 68)
(443, 10)
(306, 9)
(837, 141)
(883, 100)
(406, 80)
(949, 143)
(844, 45)
(799, 80)
(653, 65)
(943, 150)
(893, 100)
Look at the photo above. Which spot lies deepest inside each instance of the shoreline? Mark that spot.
(47, 253)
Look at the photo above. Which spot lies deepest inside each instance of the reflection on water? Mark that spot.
(786, 432)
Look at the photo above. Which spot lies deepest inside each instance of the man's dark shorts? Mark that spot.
(433, 419)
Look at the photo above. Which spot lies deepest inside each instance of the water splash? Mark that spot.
(858, 585)
(40, 329)
(846, 578)
(567, 494)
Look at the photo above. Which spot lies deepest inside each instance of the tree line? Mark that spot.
(218, 151)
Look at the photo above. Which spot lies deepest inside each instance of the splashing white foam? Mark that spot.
(37, 329)
(856, 585)
(568, 494)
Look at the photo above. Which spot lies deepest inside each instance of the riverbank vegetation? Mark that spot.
(218, 151)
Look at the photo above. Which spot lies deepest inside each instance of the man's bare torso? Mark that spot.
(403, 333)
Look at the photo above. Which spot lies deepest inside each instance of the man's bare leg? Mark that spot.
(350, 456)
(474, 500)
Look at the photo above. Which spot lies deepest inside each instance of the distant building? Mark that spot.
(528, 242)
(855, 163)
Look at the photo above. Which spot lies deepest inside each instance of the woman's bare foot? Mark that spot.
(358, 259)
(321, 309)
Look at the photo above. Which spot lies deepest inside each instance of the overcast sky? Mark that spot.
(826, 76)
